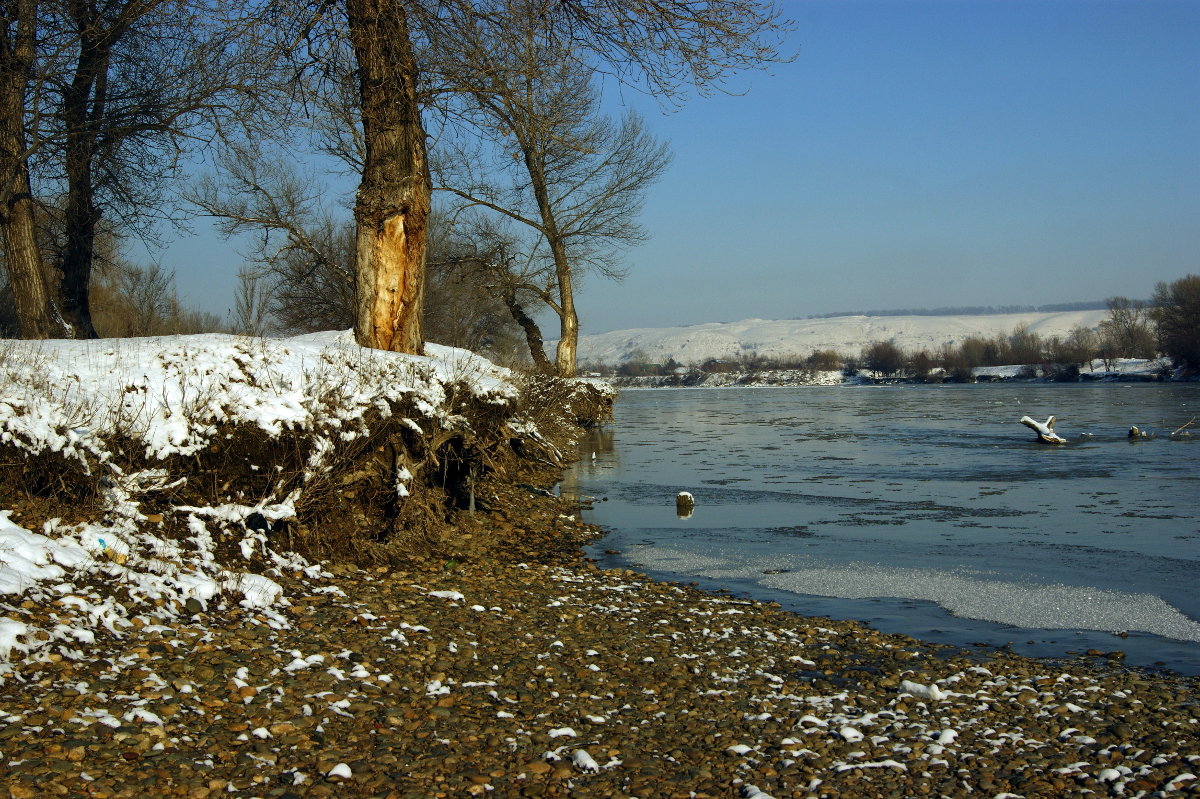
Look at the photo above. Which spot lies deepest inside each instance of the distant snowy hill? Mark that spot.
(791, 337)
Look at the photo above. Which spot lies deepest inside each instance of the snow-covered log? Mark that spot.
(1045, 430)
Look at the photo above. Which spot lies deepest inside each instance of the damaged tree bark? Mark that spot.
(391, 210)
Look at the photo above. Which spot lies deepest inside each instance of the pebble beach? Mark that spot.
(520, 669)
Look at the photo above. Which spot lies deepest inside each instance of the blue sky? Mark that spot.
(915, 154)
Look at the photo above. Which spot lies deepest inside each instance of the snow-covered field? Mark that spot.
(800, 337)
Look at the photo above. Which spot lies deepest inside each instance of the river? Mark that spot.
(925, 510)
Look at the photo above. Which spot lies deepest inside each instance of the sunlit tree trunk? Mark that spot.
(391, 210)
(568, 319)
(26, 277)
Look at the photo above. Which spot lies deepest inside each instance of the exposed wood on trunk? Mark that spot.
(392, 207)
(568, 339)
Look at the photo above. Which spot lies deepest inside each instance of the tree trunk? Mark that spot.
(80, 218)
(568, 338)
(36, 313)
(83, 103)
(533, 334)
(31, 293)
(78, 257)
(568, 320)
(392, 207)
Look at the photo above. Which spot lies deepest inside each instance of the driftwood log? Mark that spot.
(685, 503)
(1045, 430)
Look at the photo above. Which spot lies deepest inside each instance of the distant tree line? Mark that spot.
(1167, 325)
(973, 310)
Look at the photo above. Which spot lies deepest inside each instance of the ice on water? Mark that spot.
(965, 594)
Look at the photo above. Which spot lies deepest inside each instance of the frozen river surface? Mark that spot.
(923, 510)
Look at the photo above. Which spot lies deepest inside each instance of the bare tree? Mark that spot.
(1023, 346)
(300, 275)
(303, 255)
(501, 274)
(1177, 319)
(462, 311)
(97, 30)
(151, 296)
(1079, 347)
(1126, 333)
(251, 310)
(143, 79)
(99, 101)
(574, 178)
(883, 357)
(666, 45)
(134, 300)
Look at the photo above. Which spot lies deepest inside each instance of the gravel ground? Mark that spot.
(492, 676)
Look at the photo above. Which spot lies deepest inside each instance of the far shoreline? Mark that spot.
(787, 378)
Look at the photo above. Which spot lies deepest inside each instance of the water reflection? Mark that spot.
(594, 453)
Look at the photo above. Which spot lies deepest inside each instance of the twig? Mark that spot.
(1185, 424)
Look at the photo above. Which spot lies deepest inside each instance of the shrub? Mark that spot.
(1024, 347)
(883, 357)
(972, 352)
(824, 361)
(1062, 372)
